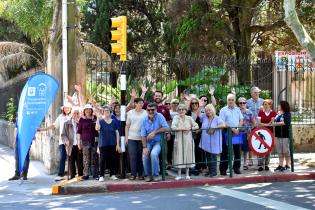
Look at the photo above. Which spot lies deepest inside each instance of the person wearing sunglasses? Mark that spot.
(152, 128)
(195, 112)
(249, 122)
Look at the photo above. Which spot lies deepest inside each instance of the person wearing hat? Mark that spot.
(86, 136)
(59, 123)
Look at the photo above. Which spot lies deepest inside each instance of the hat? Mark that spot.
(174, 101)
(255, 88)
(87, 106)
(66, 104)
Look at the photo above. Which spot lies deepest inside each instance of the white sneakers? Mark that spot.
(101, 179)
(180, 177)
(188, 177)
(113, 177)
(59, 178)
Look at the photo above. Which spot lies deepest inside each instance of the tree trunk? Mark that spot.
(299, 31)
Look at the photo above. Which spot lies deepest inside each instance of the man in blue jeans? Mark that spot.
(151, 129)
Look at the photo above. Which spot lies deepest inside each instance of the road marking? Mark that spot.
(253, 198)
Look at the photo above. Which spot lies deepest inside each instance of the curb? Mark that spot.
(129, 187)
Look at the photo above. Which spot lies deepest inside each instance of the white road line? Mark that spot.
(253, 198)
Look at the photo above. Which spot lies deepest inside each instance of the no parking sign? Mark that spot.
(261, 141)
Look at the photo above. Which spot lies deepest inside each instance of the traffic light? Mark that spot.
(120, 36)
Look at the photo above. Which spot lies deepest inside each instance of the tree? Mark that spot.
(298, 29)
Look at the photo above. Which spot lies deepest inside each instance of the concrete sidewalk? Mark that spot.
(39, 183)
(304, 170)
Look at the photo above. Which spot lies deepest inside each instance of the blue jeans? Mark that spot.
(151, 162)
(17, 165)
(62, 160)
(135, 156)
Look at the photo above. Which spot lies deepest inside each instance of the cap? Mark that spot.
(66, 104)
(255, 88)
(88, 106)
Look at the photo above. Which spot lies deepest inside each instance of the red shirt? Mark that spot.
(267, 119)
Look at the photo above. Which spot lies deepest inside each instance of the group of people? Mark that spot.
(90, 136)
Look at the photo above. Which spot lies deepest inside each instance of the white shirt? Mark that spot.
(135, 120)
(75, 128)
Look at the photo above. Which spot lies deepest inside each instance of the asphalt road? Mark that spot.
(281, 195)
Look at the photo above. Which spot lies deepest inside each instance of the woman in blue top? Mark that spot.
(108, 143)
(211, 137)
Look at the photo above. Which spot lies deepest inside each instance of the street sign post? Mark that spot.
(261, 141)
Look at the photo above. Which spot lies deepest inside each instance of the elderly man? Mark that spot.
(232, 117)
(152, 127)
(255, 103)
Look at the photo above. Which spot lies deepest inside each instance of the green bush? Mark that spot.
(11, 111)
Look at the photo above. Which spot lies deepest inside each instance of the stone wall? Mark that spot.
(304, 138)
(44, 148)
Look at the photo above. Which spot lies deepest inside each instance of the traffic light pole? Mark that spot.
(123, 87)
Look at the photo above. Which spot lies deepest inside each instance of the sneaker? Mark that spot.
(237, 171)
(187, 177)
(85, 177)
(101, 179)
(59, 178)
(148, 179)
(266, 168)
(250, 162)
(15, 177)
(286, 167)
(260, 168)
(24, 177)
(157, 178)
(113, 177)
(140, 177)
(132, 177)
(279, 168)
(178, 178)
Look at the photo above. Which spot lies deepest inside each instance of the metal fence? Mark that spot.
(195, 76)
(205, 160)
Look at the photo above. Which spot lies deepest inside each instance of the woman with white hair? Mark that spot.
(184, 148)
(211, 138)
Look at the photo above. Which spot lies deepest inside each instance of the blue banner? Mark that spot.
(36, 97)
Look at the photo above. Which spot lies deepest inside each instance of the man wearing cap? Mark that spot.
(254, 104)
(59, 123)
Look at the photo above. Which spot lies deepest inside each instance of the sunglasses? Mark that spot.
(194, 103)
(242, 102)
(205, 100)
(167, 104)
(150, 110)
